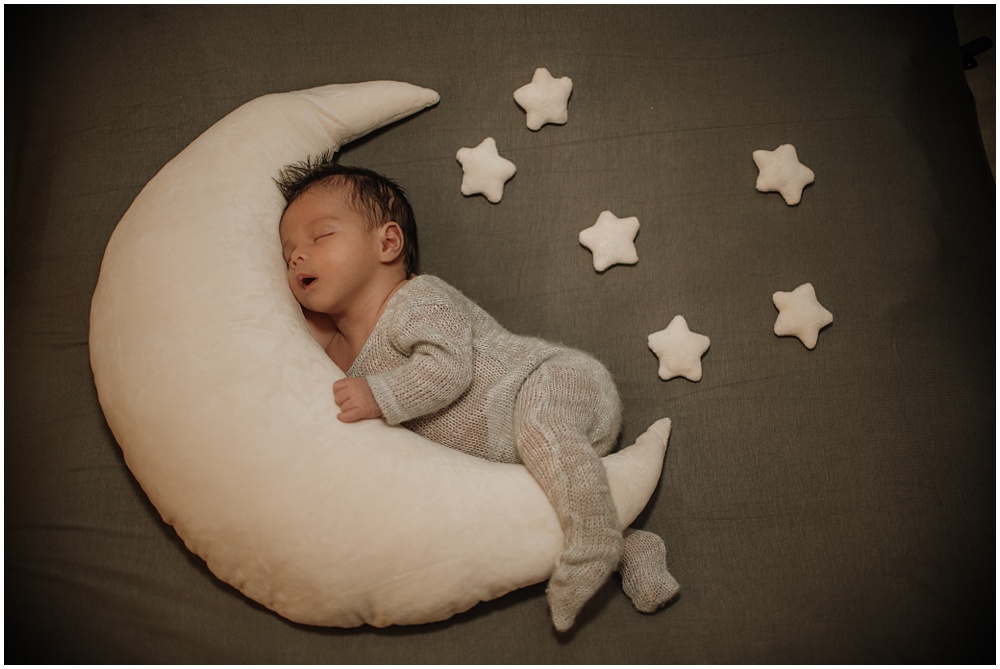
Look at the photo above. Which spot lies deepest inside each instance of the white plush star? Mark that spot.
(780, 170)
(546, 99)
(800, 314)
(679, 350)
(610, 239)
(484, 171)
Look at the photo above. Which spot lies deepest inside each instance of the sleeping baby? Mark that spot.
(419, 353)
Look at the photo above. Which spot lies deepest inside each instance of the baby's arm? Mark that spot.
(436, 338)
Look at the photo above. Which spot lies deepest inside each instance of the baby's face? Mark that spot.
(330, 253)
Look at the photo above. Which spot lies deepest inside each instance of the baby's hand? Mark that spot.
(355, 400)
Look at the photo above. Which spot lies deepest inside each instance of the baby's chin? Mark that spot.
(316, 305)
(306, 299)
(307, 303)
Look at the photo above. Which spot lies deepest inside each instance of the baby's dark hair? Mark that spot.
(377, 198)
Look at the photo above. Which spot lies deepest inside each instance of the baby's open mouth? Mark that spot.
(305, 280)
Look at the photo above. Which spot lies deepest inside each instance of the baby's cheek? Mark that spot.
(293, 286)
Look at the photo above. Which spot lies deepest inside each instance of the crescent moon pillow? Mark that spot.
(221, 400)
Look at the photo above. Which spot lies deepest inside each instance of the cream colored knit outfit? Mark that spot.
(438, 364)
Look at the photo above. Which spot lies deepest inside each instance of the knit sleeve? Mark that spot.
(436, 339)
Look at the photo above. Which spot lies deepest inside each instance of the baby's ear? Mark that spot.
(390, 241)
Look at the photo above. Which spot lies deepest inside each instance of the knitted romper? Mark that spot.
(438, 364)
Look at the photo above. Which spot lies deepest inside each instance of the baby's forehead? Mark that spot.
(321, 192)
(302, 211)
(292, 220)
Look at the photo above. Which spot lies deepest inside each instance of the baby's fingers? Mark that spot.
(353, 411)
(355, 400)
(341, 391)
(350, 415)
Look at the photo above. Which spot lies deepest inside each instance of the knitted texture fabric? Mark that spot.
(438, 364)
(567, 416)
(441, 366)
(643, 569)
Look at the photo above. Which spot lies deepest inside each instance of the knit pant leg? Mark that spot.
(554, 416)
(643, 569)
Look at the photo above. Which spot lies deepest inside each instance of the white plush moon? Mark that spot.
(221, 400)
